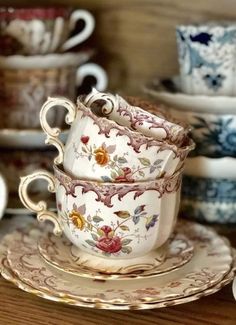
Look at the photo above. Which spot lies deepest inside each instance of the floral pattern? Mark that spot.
(215, 137)
(209, 53)
(113, 238)
(117, 164)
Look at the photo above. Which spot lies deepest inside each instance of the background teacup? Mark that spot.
(3, 195)
(120, 222)
(102, 150)
(214, 134)
(207, 58)
(209, 190)
(41, 30)
(27, 81)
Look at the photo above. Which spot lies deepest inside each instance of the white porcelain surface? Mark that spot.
(167, 91)
(100, 149)
(211, 167)
(207, 58)
(209, 267)
(110, 221)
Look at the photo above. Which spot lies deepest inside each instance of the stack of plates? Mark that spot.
(198, 263)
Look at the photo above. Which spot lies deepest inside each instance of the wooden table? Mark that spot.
(20, 308)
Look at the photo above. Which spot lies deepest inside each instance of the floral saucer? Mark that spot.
(211, 262)
(60, 253)
(8, 274)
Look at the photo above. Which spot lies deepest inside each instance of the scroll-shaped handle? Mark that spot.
(41, 207)
(89, 25)
(53, 133)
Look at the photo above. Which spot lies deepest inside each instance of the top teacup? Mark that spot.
(207, 58)
(40, 30)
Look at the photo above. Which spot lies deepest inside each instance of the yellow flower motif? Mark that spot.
(77, 219)
(101, 156)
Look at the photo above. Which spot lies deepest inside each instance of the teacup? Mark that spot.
(3, 195)
(207, 199)
(27, 81)
(214, 134)
(42, 30)
(120, 222)
(148, 120)
(207, 58)
(102, 150)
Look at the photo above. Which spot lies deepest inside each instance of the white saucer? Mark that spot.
(168, 92)
(26, 139)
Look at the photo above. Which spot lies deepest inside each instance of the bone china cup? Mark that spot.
(207, 58)
(32, 31)
(27, 81)
(129, 113)
(102, 150)
(115, 221)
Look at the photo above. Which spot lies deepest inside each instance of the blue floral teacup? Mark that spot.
(207, 58)
(214, 134)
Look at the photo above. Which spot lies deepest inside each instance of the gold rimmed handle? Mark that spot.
(41, 207)
(53, 133)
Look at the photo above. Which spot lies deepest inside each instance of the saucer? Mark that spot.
(61, 253)
(168, 92)
(209, 265)
(27, 139)
(8, 274)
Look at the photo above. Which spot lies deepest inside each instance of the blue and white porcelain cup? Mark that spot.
(207, 58)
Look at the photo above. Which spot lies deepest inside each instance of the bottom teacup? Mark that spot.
(124, 225)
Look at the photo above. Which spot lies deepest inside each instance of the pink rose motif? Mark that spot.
(109, 245)
(84, 139)
(106, 229)
(126, 177)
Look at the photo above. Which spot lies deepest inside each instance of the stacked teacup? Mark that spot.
(205, 98)
(33, 66)
(117, 181)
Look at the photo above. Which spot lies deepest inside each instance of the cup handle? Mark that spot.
(53, 133)
(95, 70)
(3, 196)
(41, 207)
(84, 34)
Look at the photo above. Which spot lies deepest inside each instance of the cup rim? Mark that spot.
(60, 170)
(154, 142)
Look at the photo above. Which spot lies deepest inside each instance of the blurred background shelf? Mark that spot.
(136, 38)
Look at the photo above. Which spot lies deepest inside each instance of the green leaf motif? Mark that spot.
(97, 219)
(125, 242)
(122, 160)
(145, 162)
(141, 173)
(126, 249)
(122, 214)
(90, 242)
(124, 228)
(95, 237)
